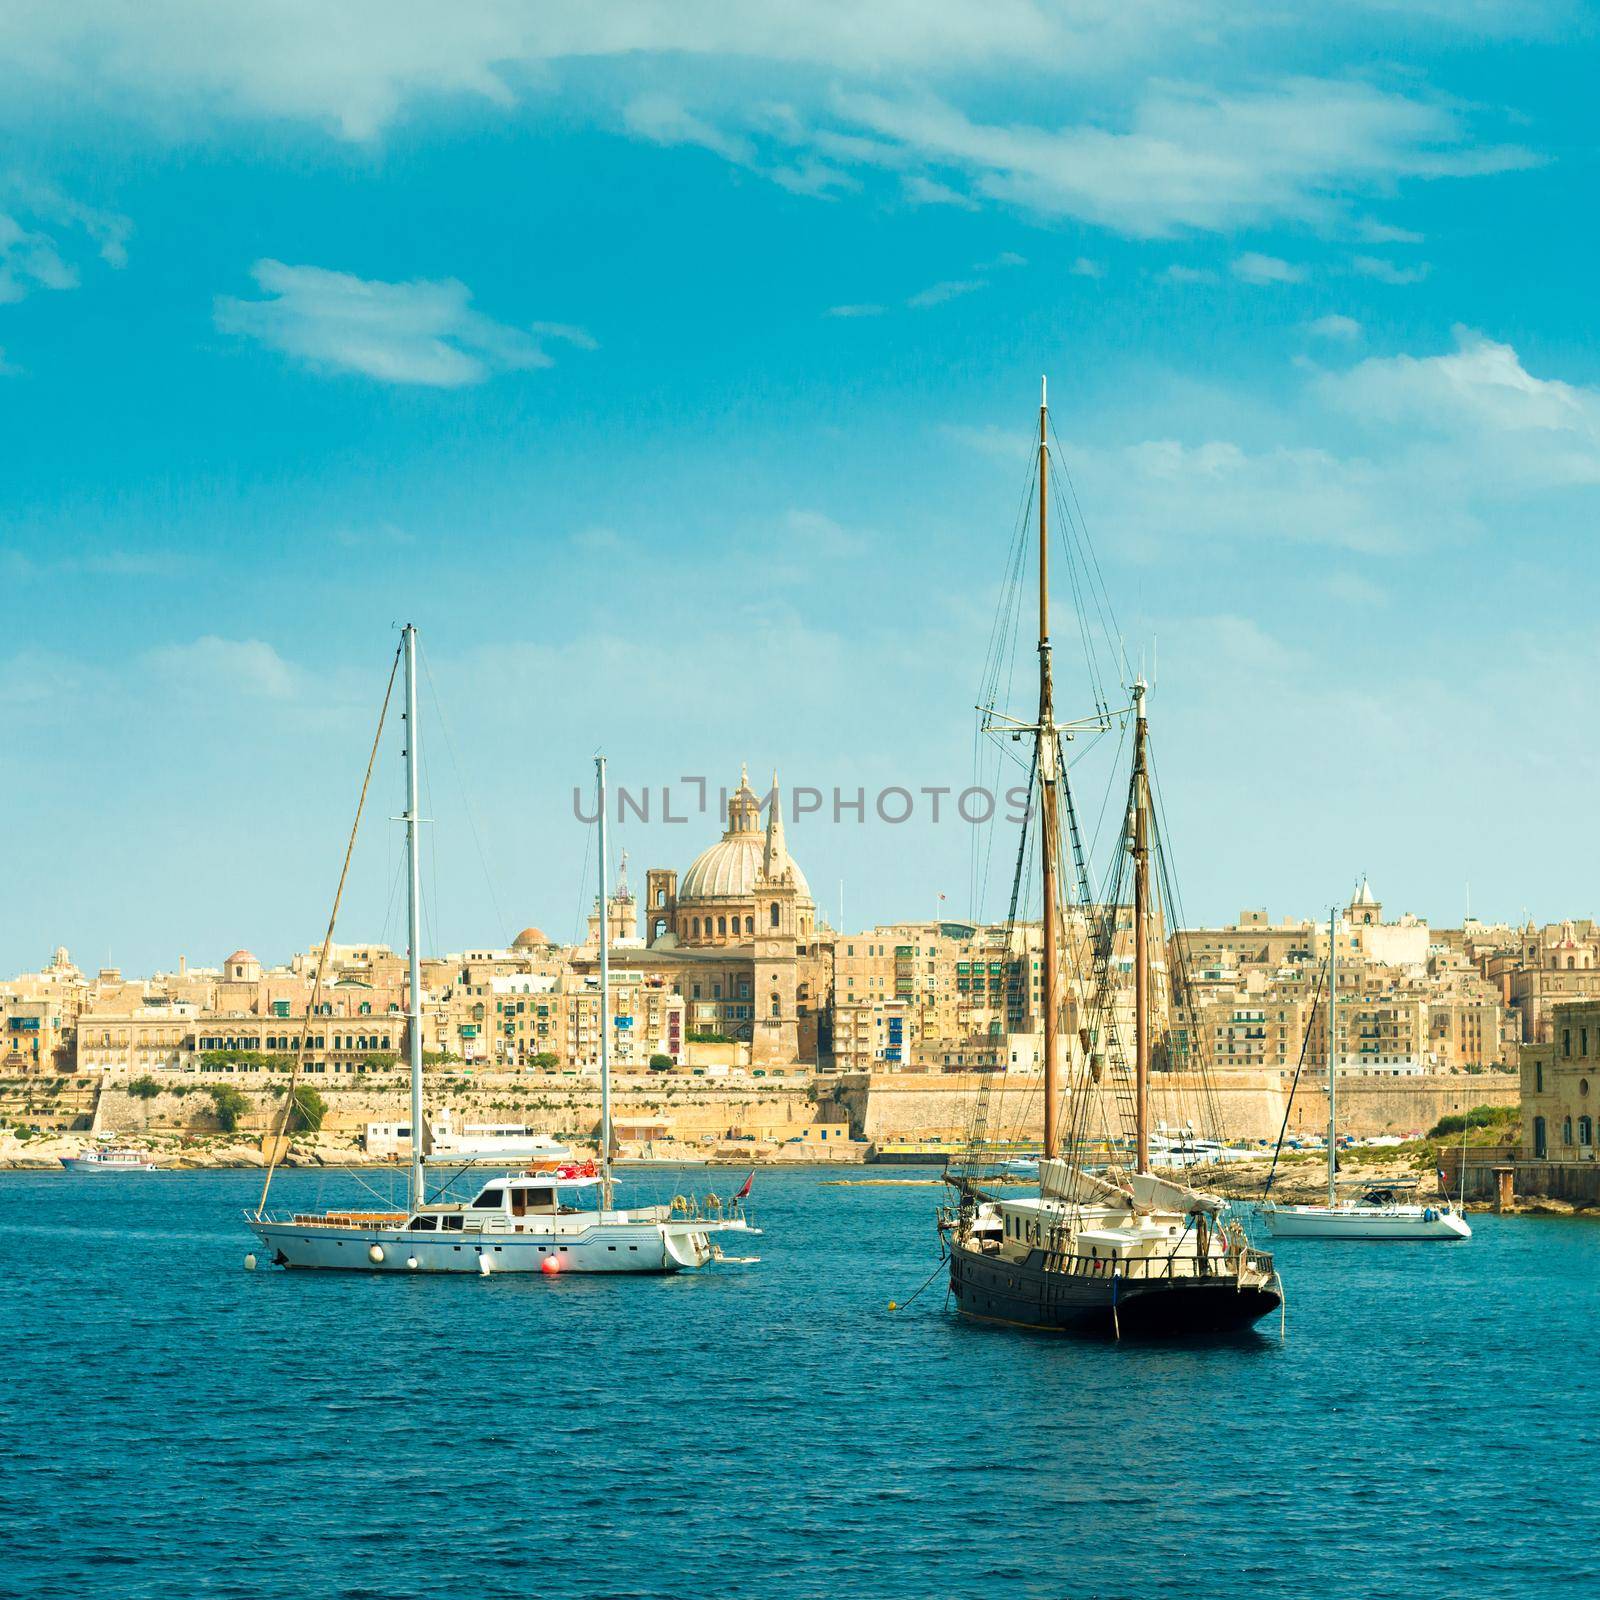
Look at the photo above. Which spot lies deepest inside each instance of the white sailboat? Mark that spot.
(531, 1221)
(1382, 1211)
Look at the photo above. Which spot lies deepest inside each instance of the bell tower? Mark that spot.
(660, 902)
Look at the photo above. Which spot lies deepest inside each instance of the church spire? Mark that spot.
(775, 859)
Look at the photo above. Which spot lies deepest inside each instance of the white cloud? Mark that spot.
(923, 191)
(864, 310)
(1253, 267)
(1381, 271)
(422, 332)
(217, 667)
(1083, 267)
(40, 231)
(936, 294)
(663, 119)
(1504, 428)
(1178, 273)
(1335, 326)
(1190, 159)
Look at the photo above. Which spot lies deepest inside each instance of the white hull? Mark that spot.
(1364, 1222)
(591, 1245)
(90, 1164)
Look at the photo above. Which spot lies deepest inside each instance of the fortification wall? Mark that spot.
(561, 1106)
(1249, 1105)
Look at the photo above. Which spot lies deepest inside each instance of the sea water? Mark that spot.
(175, 1425)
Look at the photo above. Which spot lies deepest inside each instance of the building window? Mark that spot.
(697, 927)
(1539, 1144)
(1538, 1077)
(722, 924)
(1566, 1130)
(1585, 1131)
(1566, 1041)
(777, 1009)
(774, 913)
(749, 924)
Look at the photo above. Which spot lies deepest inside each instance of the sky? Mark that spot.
(674, 369)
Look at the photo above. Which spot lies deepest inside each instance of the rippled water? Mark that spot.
(177, 1426)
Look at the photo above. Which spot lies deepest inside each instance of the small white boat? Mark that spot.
(1378, 1214)
(106, 1159)
(1384, 1211)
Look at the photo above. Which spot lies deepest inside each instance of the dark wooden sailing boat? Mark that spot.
(1123, 1251)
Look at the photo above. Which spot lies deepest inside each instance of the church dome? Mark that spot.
(727, 871)
(730, 868)
(530, 939)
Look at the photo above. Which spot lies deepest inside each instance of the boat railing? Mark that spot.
(333, 1219)
(1245, 1262)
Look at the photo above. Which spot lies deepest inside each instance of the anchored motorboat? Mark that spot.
(108, 1159)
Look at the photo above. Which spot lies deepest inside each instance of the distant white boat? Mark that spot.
(1378, 1214)
(1382, 1212)
(1166, 1152)
(497, 1143)
(105, 1159)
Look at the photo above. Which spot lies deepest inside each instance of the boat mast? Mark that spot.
(605, 995)
(1333, 1059)
(413, 920)
(1141, 932)
(1047, 750)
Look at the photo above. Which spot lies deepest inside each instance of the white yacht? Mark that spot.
(106, 1159)
(1382, 1211)
(521, 1222)
(502, 1143)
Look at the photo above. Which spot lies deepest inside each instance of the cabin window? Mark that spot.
(452, 1224)
(489, 1200)
(424, 1224)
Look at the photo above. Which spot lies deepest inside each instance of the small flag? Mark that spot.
(744, 1192)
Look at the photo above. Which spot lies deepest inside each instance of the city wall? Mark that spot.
(564, 1107)
(1249, 1105)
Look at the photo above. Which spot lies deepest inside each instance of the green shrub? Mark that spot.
(1477, 1117)
(144, 1088)
(306, 1110)
(230, 1105)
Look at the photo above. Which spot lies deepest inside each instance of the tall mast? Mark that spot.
(1141, 932)
(605, 996)
(413, 920)
(1333, 1056)
(1047, 750)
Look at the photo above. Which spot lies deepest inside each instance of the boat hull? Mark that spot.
(1405, 1223)
(1024, 1294)
(83, 1164)
(612, 1248)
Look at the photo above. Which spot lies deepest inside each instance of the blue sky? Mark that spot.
(674, 367)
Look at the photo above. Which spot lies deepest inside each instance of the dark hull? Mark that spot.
(1024, 1295)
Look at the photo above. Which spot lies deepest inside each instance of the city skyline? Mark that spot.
(678, 383)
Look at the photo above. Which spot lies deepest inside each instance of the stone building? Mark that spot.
(1546, 967)
(1561, 1087)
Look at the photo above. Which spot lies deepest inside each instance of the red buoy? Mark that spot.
(550, 1264)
